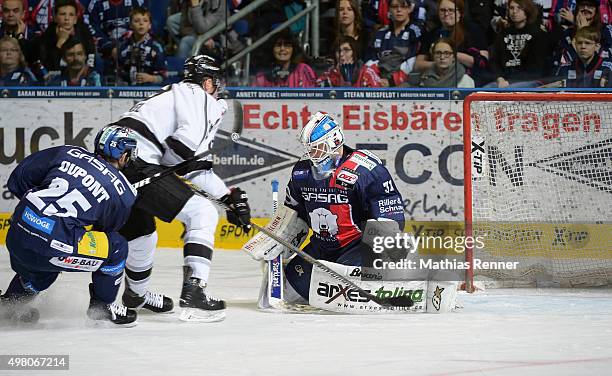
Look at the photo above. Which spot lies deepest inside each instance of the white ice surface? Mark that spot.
(499, 332)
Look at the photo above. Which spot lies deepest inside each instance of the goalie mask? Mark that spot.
(322, 139)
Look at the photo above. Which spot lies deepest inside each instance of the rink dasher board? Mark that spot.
(417, 134)
(418, 140)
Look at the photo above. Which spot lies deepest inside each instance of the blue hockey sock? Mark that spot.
(105, 287)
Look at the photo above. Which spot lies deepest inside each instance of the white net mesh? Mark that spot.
(542, 188)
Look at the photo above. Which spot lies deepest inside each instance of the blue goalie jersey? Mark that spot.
(337, 208)
(62, 190)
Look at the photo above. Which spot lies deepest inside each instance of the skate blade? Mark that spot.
(105, 324)
(146, 311)
(143, 310)
(200, 315)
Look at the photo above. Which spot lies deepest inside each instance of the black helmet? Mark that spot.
(199, 67)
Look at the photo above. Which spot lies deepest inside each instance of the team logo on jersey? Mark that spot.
(346, 178)
(323, 222)
(436, 300)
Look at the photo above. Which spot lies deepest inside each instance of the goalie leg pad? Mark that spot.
(441, 296)
(298, 273)
(291, 296)
(286, 225)
(271, 293)
(330, 294)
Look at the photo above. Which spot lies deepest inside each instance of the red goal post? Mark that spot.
(538, 185)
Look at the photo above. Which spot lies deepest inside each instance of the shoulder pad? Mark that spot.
(223, 104)
(301, 170)
(189, 85)
(299, 174)
(371, 155)
(363, 160)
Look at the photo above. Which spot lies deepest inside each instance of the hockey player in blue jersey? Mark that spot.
(333, 191)
(72, 203)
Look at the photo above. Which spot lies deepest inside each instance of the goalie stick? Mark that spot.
(272, 281)
(275, 267)
(235, 136)
(398, 301)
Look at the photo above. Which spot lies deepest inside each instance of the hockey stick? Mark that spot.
(235, 136)
(271, 290)
(275, 267)
(398, 301)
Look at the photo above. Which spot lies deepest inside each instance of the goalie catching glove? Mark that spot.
(238, 212)
(286, 225)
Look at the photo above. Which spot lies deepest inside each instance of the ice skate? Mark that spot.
(158, 303)
(197, 306)
(111, 313)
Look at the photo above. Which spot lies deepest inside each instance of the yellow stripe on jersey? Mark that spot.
(94, 244)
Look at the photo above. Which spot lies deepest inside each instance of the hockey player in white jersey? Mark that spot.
(173, 126)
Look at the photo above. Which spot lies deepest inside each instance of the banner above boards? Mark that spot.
(266, 93)
(240, 93)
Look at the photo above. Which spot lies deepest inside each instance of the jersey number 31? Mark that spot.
(388, 185)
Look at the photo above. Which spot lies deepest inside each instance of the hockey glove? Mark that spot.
(239, 212)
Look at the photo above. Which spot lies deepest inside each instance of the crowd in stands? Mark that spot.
(364, 43)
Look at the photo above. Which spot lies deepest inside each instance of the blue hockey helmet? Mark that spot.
(113, 141)
(322, 139)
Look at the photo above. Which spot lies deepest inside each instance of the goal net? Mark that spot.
(538, 188)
